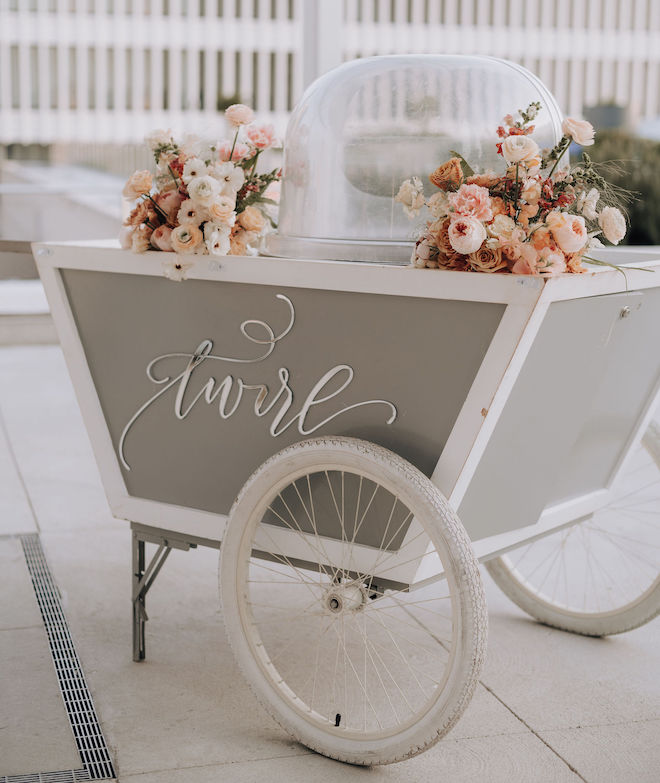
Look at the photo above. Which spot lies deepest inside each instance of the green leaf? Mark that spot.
(467, 170)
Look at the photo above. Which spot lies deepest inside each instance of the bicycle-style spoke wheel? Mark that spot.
(602, 575)
(352, 600)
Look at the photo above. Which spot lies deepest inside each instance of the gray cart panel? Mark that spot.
(419, 354)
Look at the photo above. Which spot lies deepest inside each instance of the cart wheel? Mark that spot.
(602, 575)
(352, 600)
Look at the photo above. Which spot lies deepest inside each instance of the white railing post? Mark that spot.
(322, 37)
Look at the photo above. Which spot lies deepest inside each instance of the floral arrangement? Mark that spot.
(535, 219)
(203, 198)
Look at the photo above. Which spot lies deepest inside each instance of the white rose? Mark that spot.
(519, 148)
(203, 190)
(230, 177)
(581, 131)
(466, 235)
(411, 195)
(193, 168)
(613, 224)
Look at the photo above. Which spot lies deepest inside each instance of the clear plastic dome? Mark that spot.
(364, 127)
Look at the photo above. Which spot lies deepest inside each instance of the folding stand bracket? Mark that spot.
(143, 578)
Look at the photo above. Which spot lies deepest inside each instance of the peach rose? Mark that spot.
(161, 239)
(613, 224)
(542, 238)
(239, 114)
(526, 212)
(472, 201)
(517, 149)
(487, 259)
(466, 235)
(222, 210)
(239, 241)
(138, 184)
(448, 176)
(186, 238)
(170, 202)
(581, 131)
(252, 219)
(261, 136)
(569, 231)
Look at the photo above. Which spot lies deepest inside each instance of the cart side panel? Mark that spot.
(541, 449)
(417, 357)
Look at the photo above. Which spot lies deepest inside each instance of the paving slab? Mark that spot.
(35, 735)
(617, 753)
(494, 759)
(18, 607)
(15, 513)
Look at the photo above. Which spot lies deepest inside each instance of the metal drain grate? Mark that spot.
(77, 698)
(65, 776)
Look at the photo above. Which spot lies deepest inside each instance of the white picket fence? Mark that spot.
(108, 71)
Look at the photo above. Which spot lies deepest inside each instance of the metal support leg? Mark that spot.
(143, 577)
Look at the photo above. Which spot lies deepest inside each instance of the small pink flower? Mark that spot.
(472, 201)
(161, 239)
(241, 151)
(261, 136)
(239, 114)
(527, 258)
(466, 235)
(581, 131)
(551, 262)
(170, 202)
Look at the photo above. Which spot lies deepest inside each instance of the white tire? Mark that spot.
(339, 652)
(602, 575)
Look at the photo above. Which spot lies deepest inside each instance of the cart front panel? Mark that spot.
(200, 382)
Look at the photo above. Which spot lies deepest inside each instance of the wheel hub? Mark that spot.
(341, 599)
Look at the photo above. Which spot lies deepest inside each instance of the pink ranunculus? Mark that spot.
(466, 234)
(527, 260)
(551, 262)
(569, 231)
(239, 114)
(241, 151)
(472, 201)
(261, 136)
(581, 131)
(161, 239)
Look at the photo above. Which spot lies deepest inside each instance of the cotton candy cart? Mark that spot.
(358, 437)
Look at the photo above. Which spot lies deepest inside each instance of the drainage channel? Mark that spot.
(96, 761)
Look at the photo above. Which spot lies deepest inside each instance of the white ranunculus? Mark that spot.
(613, 224)
(230, 177)
(587, 204)
(517, 149)
(176, 268)
(158, 138)
(216, 238)
(193, 168)
(438, 204)
(203, 190)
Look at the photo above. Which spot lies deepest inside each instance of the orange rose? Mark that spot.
(487, 259)
(448, 176)
(574, 263)
(542, 238)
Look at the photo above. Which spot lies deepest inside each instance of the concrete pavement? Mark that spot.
(550, 707)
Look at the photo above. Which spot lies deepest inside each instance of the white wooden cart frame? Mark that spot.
(527, 300)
